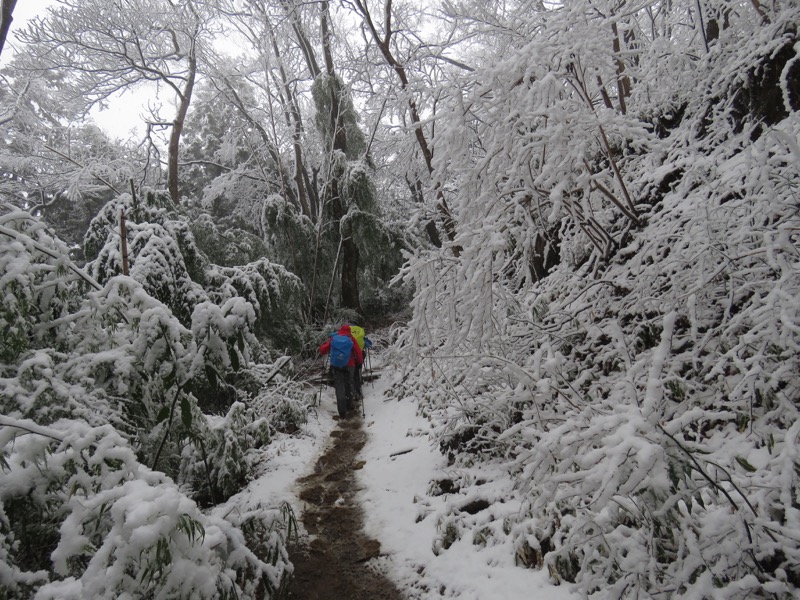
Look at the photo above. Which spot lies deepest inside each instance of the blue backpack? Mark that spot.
(341, 349)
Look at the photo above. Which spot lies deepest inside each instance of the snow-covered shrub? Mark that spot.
(41, 291)
(282, 403)
(111, 527)
(228, 246)
(274, 293)
(162, 255)
(37, 285)
(95, 392)
(636, 373)
(221, 457)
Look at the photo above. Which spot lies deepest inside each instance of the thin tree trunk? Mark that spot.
(626, 205)
(384, 44)
(333, 279)
(623, 81)
(285, 181)
(123, 236)
(305, 46)
(604, 93)
(5, 21)
(294, 121)
(760, 10)
(177, 128)
(430, 227)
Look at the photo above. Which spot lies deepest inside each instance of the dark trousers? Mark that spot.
(357, 382)
(343, 384)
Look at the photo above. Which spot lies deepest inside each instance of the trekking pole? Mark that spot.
(363, 412)
(322, 380)
(369, 363)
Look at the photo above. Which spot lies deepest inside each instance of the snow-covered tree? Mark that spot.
(103, 49)
(619, 331)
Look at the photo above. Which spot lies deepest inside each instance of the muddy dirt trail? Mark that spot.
(333, 566)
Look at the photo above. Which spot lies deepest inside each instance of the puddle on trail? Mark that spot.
(334, 565)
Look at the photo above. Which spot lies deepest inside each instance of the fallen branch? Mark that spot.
(401, 452)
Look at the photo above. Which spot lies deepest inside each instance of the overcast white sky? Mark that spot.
(122, 118)
(27, 9)
(24, 10)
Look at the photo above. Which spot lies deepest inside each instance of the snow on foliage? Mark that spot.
(162, 255)
(117, 528)
(620, 328)
(102, 384)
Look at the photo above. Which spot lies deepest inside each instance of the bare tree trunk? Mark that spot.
(761, 13)
(623, 81)
(604, 93)
(285, 182)
(177, 127)
(123, 236)
(415, 188)
(333, 280)
(294, 121)
(5, 20)
(305, 46)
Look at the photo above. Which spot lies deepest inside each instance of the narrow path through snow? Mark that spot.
(373, 524)
(333, 565)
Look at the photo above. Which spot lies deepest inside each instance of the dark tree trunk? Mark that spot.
(5, 21)
(384, 44)
(430, 227)
(294, 121)
(177, 129)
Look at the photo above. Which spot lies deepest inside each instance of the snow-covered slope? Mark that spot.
(617, 324)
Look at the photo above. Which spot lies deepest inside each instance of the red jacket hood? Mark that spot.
(344, 330)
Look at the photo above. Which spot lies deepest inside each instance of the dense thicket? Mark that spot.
(107, 378)
(597, 206)
(619, 330)
(149, 290)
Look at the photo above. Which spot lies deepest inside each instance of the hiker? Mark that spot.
(363, 343)
(345, 355)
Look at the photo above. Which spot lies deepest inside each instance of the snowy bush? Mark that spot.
(96, 394)
(274, 293)
(162, 255)
(112, 527)
(33, 279)
(620, 328)
(220, 459)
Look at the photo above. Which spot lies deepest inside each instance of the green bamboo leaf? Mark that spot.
(171, 378)
(162, 414)
(186, 413)
(234, 358)
(745, 465)
(211, 375)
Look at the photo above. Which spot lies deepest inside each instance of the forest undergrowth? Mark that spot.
(602, 261)
(131, 403)
(618, 329)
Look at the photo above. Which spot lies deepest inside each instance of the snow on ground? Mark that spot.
(401, 514)
(285, 459)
